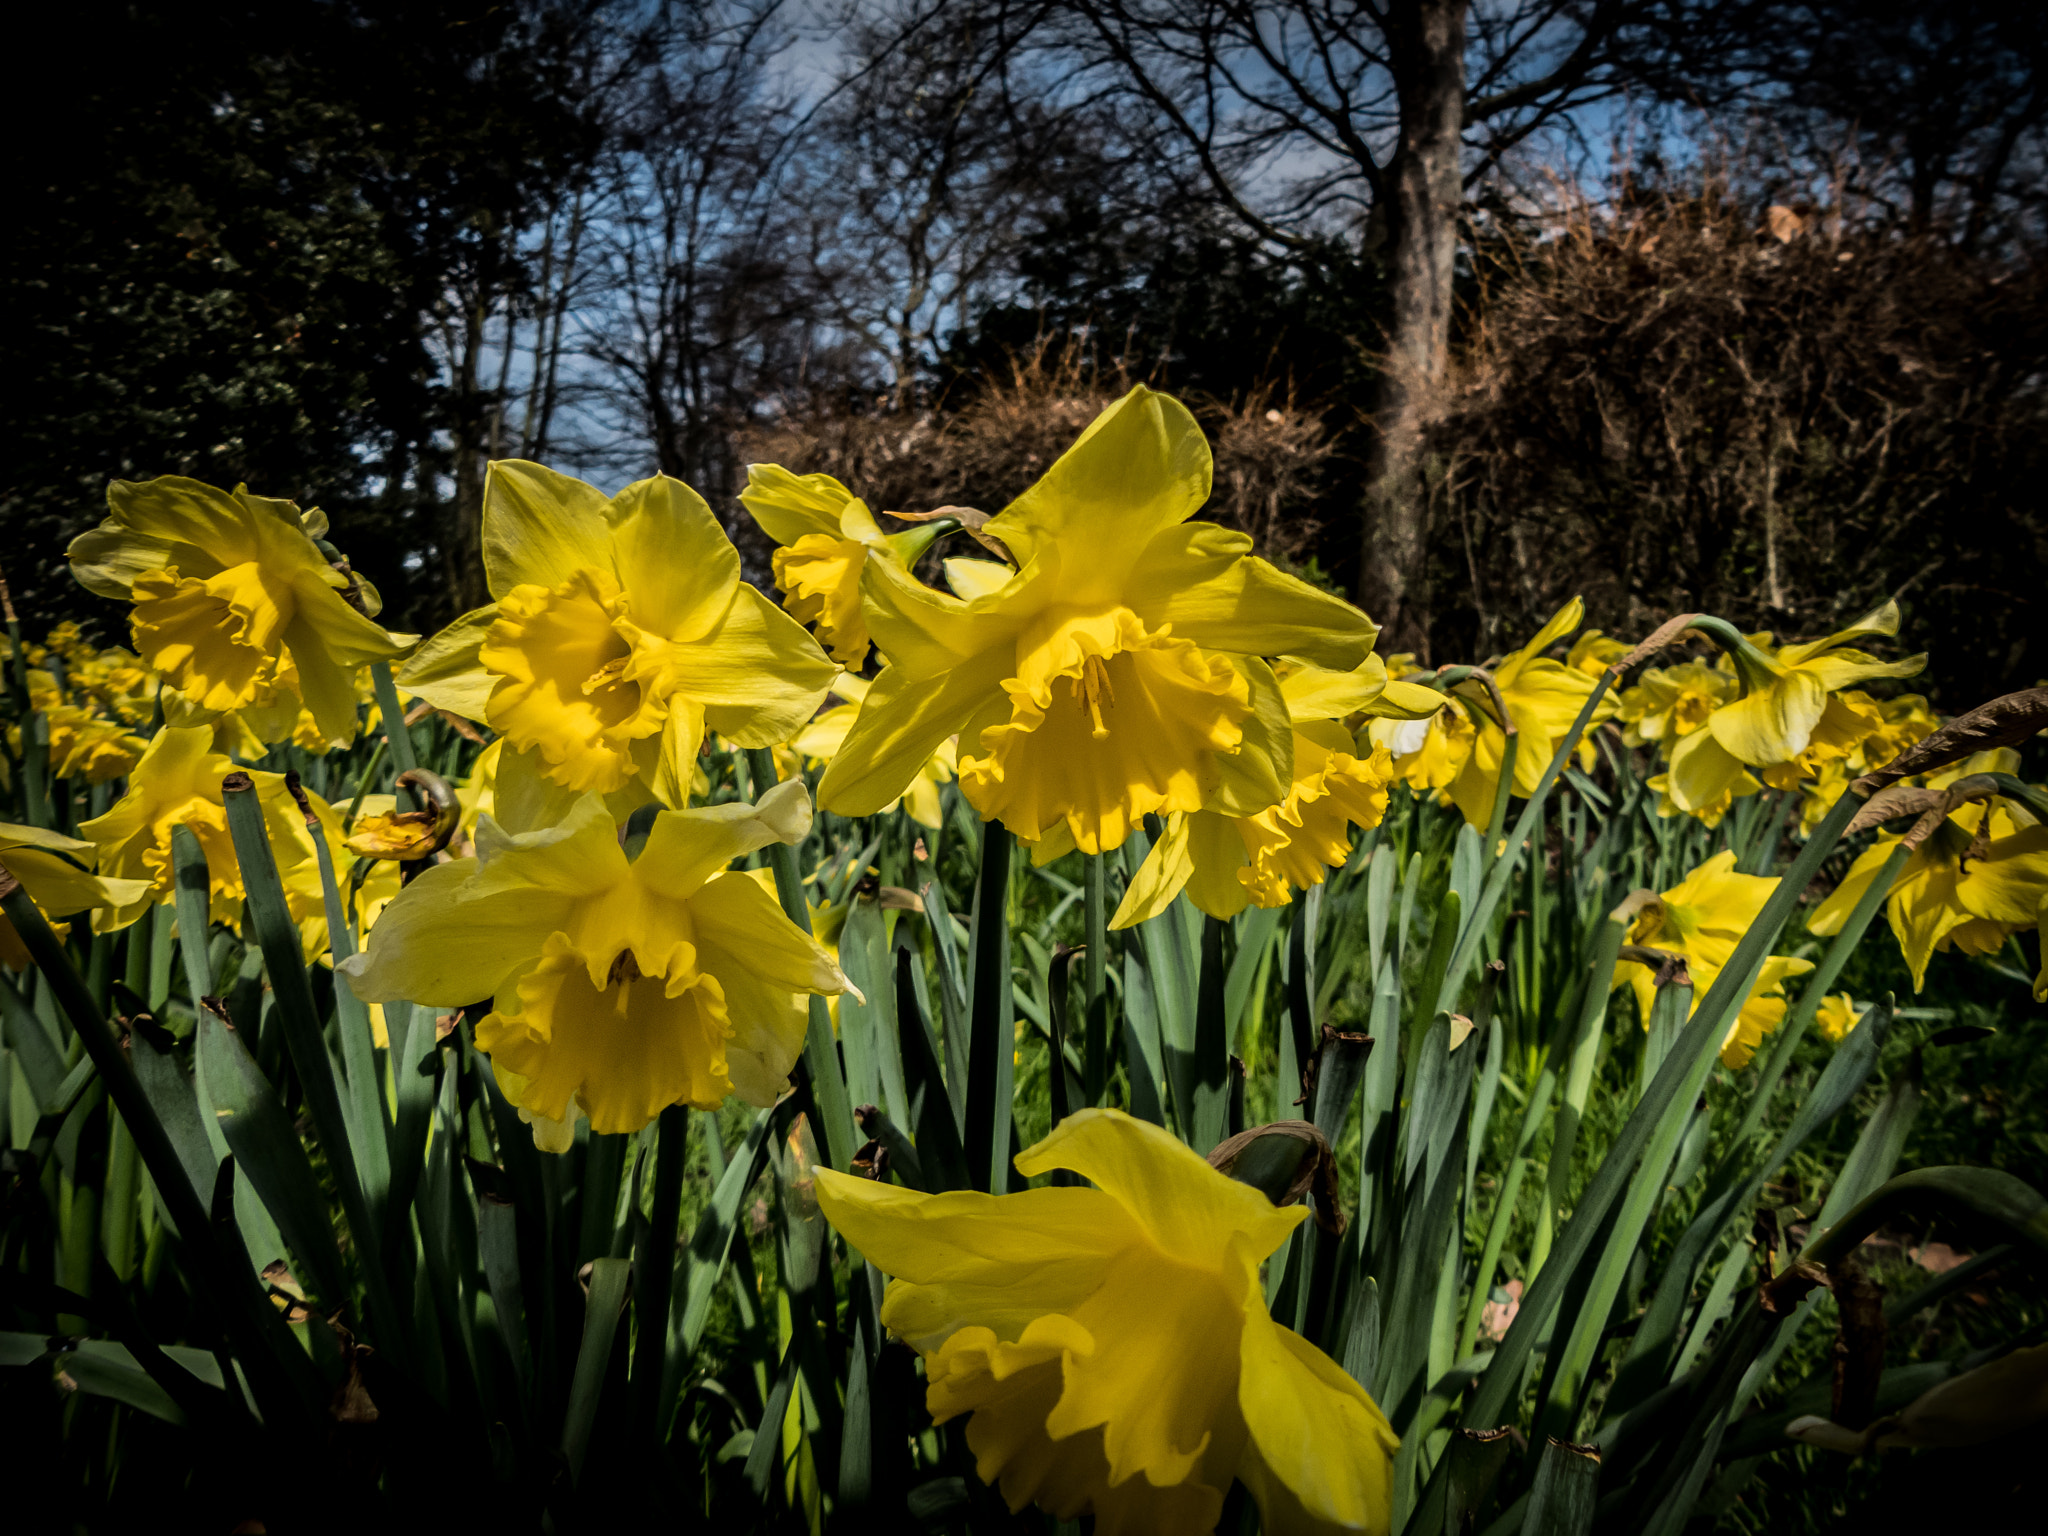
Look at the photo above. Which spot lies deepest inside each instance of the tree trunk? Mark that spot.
(1423, 195)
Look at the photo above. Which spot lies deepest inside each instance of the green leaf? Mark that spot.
(1566, 1492)
(260, 1134)
(991, 1037)
(602, 1306)
(942, 1162)
(278, 936)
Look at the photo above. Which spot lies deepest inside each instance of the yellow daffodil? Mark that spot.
(1902, 722)
(1427, 754)
(826, 535)
(2041, 977)
(1741, 787)
(1786, 708)
(1669, 702)
(1702, 919)
(620, 630)
(1594, 652)
(177, 783)
(1112, 1344)
(228, 591)
(1836, 1015)
(1827, 766)
(55, 871)
(118, 682)
(1226, 863)
(821, 740)
(1543, 698)
(1115, 673)
(86, 746)
(619, 987)
(1979, 878)
(305, 892)
(388, 833)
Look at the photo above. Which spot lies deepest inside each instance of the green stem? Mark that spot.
(820, 1072)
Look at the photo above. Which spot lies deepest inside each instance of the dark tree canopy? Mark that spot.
(233, 224)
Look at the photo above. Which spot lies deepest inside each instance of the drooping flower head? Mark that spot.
(1226, 863)
(1669, 702)
(826, 535)
(620, 630)
(1115, 672)
(1702, 919)
(56, 871)
(619, 987)
(231, 590)
(1980, 877)
(1112, 1345)
(1543, 698)
(1786, 705)
(177, 784)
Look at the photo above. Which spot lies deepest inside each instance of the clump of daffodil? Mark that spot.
(619, 631)
(1461, 752)
(1836, 1015)
(56, 871)
(825, 537)
(1702, 919)
(229, 592)
(87, 746)
(1979, 878)
(619, 986)
(1667, 703)
(1789, 706)
(1111, 1345)
(1115, 672)
(1226, 863)
(821, 740)
(1901, 722)
(177, 783)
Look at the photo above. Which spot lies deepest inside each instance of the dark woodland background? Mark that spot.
(1678, 304)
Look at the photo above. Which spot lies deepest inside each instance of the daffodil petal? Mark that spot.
(901, 724)
(1206, 583)
(1183, 1203)
(789, 506)
(1320, 1446)
(540, 527)
(1773, 724)
(2008, 884)
(446, 671)
(1141, 467)
(678, 568)
(757, 674)
(1217, 847)
(1257, 773)
(971, 579)
(1159, 879)
(928, 632)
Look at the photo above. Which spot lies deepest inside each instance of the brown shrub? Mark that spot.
(1784, 415)
(994, 435)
